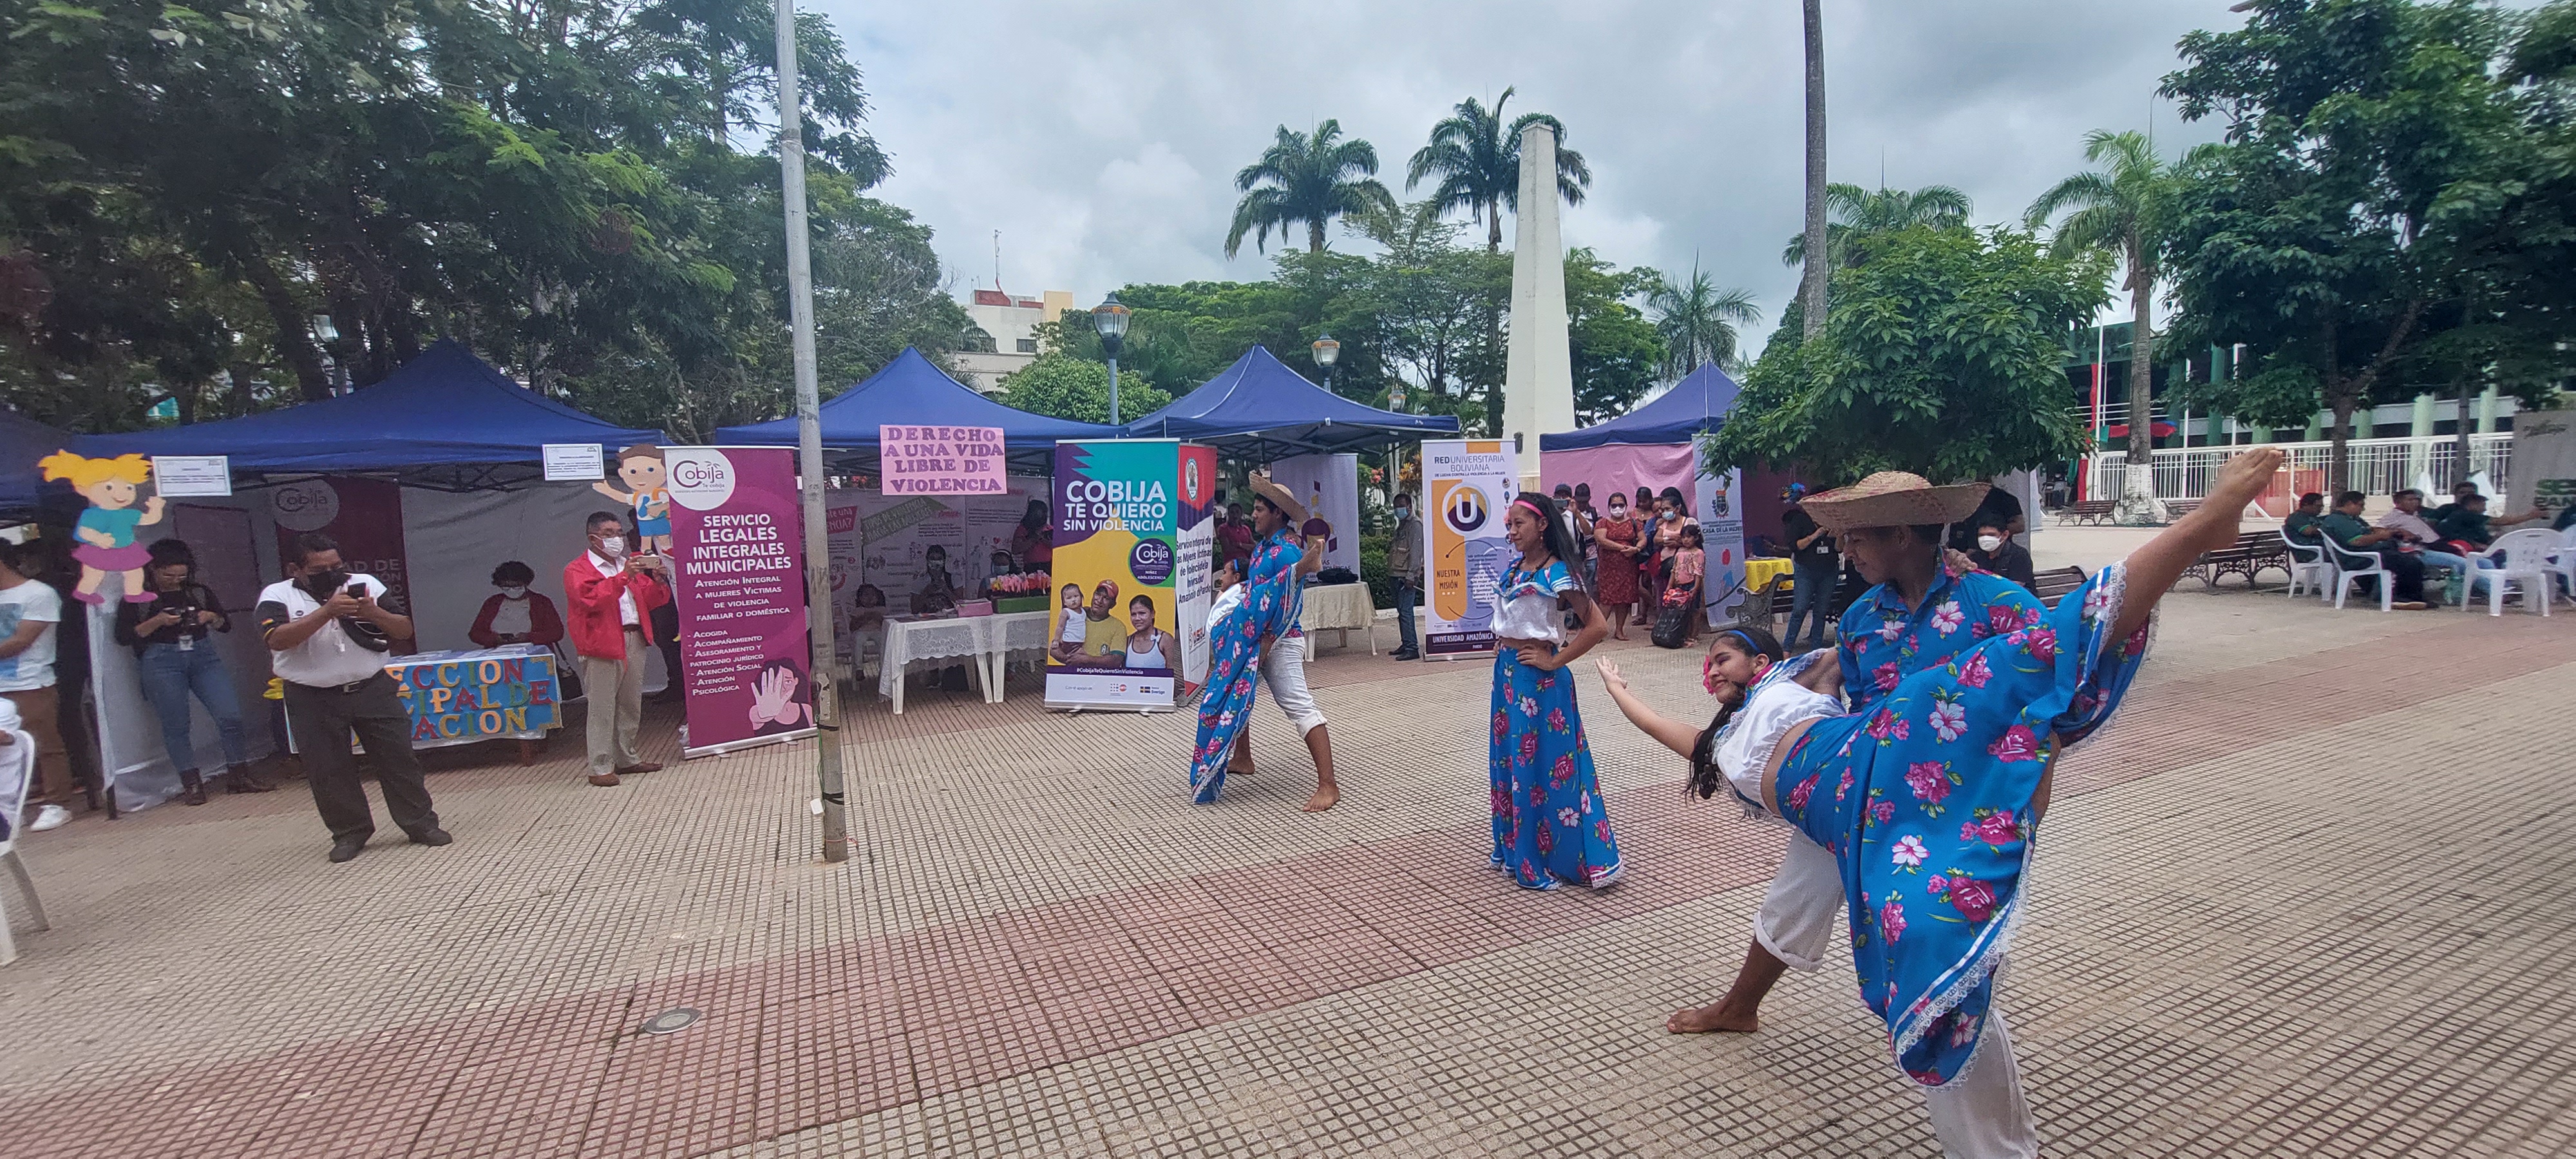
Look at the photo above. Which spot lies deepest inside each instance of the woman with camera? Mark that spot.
(173, 642)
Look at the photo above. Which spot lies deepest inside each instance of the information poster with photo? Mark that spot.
(1329, 486)
(882, 552)
(737, 573)
(1125, 511)
(1467, 485)
(1718, 503)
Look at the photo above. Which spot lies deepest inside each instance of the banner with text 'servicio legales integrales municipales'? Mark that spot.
(1467, 486)
(738, 574)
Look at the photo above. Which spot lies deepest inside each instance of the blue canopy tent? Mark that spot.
(1260, 410)
(1695, 405)
(23, 441)
(910, 391)
(445, 420)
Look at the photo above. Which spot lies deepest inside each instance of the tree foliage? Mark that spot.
(1853, 213)
(1476, 161)
(1076, 388)
(1697, 320)
(1942, 356)
(1305, 178)
(581, 191)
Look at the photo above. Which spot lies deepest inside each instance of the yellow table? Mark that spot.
(1758, 572)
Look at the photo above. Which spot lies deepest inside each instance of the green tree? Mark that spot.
(2370, 147)
(1476, 160)
(1942, 356)
(2126, 209)
(1074, 388)
(1309, 178)
(1697, 320)
(1855, 214)
(1616, 352)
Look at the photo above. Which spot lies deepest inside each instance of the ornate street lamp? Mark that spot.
(1326, 351)
(1110, 319)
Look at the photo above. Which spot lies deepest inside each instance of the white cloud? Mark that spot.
(1102, 140)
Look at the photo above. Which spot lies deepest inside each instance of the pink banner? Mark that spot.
(737, 575)
(1654, 466)
(941, 460)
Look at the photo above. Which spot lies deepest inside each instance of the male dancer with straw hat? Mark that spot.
(1919, 613)
(1264, 644)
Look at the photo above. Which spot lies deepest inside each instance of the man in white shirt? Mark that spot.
(328, 630)
(611, 591)
(2407, 516)
(29, 611)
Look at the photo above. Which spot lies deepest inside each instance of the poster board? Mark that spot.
(1126, 511)
(880, 551)
(737, 573)
(1718, 502)
(2543, 464)
(1467, 485)
(1329, 486)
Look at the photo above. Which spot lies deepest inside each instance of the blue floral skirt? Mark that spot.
(1549, 822)
(1925, 803)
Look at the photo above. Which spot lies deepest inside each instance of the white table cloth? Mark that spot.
(910, 642)
(1012, 633)
(1342, 608)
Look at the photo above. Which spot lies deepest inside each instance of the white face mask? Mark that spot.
(612, 546)
(515, 591)
(1989, 542)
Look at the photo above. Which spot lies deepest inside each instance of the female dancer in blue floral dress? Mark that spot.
(1550, 823)
(1930, 800)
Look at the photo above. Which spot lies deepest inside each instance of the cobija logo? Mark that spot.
(701, 478)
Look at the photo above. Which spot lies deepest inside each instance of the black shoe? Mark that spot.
(1407, 654)
(346, 848)
(431, 836)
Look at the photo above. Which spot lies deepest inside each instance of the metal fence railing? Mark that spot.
(2378, 466)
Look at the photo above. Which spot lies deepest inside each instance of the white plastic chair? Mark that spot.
(2353, 565)
(2310, 573)
(2562, 560)
(18, 758)
(2523, 556)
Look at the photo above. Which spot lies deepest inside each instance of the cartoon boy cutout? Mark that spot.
(640, 466)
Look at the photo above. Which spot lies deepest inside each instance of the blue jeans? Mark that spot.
(1408, 595)
(1814, 595)
(169, 674)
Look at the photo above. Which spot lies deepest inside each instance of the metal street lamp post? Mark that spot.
(1110, 319)
(1327, 352)
(822, 658)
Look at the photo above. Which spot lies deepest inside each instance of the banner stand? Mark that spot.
(1135, 538)
(730, 519)
(1468, 486)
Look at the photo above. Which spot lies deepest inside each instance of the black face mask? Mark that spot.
(322, 585)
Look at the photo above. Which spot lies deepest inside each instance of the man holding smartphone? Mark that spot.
(611, 591)
(328, 630)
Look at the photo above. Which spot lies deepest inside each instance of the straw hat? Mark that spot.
(1278, 496)
(1893, 499)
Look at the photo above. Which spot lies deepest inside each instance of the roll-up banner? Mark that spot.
(1467, 486)
(1133, 540)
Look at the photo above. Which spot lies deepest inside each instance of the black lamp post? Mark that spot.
(327, 336)
(1326, 352)
(1110, 319)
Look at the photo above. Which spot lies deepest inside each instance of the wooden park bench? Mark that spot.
(2251, 553)
(1763, 607)
(2093, 511)
(2177, 508)
(2053, 584)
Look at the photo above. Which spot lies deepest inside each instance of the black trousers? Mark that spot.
(322, 719)
(2408, 572)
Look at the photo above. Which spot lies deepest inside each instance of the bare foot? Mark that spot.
(1243, 769)
(1712, 1019)
(2241, 480)
(1325, 798)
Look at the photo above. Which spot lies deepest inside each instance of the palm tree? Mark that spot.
(1698, 320)
(1858, 213)
(1811, 283)
(1311, 179)
(2126, 208)
(1478, 162)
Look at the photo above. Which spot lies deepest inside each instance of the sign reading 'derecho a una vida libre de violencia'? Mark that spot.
(941, 460)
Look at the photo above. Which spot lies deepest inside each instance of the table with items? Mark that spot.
(1342, 608)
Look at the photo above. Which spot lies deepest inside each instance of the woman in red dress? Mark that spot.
(1619, 536)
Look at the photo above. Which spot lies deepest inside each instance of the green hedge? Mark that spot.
(1373, 547)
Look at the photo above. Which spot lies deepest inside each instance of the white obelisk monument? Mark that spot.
(1538, 377)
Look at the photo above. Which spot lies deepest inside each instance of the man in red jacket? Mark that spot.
(613, 592)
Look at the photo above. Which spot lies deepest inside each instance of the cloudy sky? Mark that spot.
(1101, 139)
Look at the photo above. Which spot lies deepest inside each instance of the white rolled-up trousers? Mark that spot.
(1979, 1115)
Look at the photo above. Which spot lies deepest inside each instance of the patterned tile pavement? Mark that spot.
(2250, 937)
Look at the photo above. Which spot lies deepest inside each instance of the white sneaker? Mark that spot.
(50, 817)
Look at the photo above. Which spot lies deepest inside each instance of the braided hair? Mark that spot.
(1705, 776)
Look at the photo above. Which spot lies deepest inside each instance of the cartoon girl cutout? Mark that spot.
(640, 467)
(108, 552)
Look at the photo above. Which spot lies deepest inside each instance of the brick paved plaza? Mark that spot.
(2304, 898)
